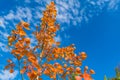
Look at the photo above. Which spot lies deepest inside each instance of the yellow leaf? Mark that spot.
(25, 25)
(22, 33)
(27, 40)
(83, 55)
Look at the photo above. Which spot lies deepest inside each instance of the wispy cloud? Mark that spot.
(6, 75)
(3, 47)
(75, 11)
(114, 4)
(2, 22)
(58, 38)
(27, 1)
(69, 12)
(20, 14)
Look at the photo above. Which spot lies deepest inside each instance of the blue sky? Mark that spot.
(92, 25)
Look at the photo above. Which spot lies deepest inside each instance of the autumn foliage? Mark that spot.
(45, 58)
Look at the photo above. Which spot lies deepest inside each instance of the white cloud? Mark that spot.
(33, 40)
(10, 16)
(27, 1)
(72, 11)
(20, 14)
(23, 13)
(4, 35)
(69, 12)
(6, 75)
(58, 38)
(113, 4)
(92, 2)
(3, 47)
(2, 22)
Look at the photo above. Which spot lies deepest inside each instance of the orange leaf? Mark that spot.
(22, 33)
(22, 71)
(92, 71)
(25, 25)
(11, 70)
(6, 67)
(9, 60)
(78, 78)
(27, 40)
(87, 76)
(11, 38)
(83, 55)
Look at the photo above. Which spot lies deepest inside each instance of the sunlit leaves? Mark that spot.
(83, 55)
(78, 78)
(27, 40)
(22, 71)
(87, 76)
(9, 61)
(32, 75)
(11, 39)
(25, 25)
(78, 70)
(10, 66)
(11, 70)
(37, 60)
(92, 71)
